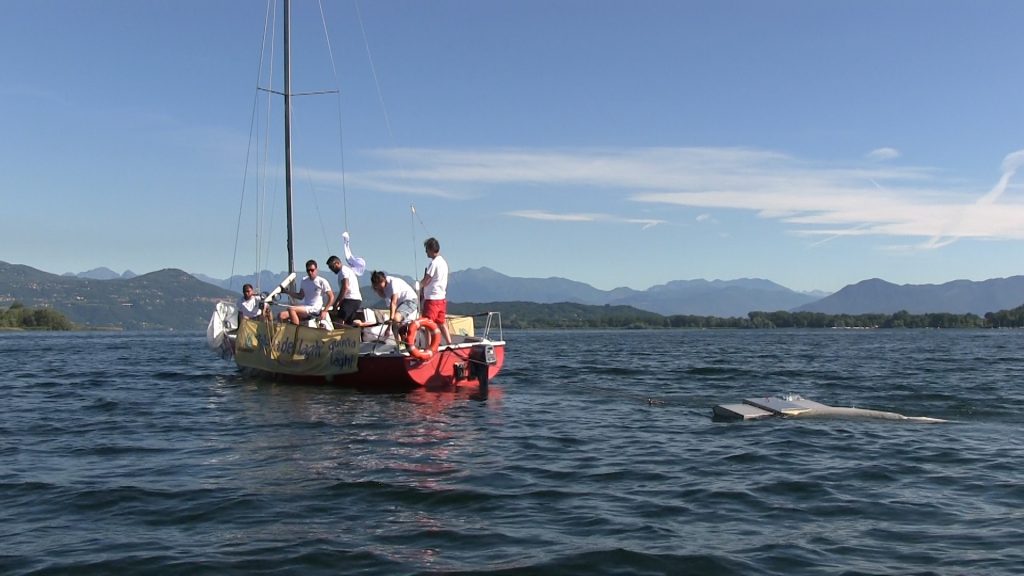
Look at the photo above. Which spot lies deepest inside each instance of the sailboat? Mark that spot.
(350, 355)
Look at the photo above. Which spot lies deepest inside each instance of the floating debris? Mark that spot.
(794, 406)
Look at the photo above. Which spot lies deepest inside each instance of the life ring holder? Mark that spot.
(435, 339)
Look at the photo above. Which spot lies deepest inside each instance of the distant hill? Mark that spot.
(486, 285)
(173, 299)
(725, 298)
(267, 280)
(102, 273)
(164, 300)
(956, 297)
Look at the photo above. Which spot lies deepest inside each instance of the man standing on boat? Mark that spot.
(434, 287)
(311, 292)
(349, 296)
(403, 305)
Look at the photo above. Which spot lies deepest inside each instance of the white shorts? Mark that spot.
(409, 310)
(309, 310)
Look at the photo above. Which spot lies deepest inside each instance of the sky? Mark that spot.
(617, 143)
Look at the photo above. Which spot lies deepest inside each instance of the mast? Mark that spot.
(288, 131)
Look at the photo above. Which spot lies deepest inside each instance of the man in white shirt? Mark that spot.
(403, 305)
(249, 304)
(311, 293)
(349, 296)
(434, 287)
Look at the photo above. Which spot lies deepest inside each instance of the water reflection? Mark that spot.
(417, 439)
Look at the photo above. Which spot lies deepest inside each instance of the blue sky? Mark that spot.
(812, 143)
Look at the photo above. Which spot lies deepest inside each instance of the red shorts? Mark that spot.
(435, 310)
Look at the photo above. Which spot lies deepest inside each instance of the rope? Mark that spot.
(649, 400)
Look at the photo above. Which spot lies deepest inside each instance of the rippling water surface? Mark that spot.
(594, 453)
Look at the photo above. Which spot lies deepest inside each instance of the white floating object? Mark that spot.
(740, 412)
(794, 406)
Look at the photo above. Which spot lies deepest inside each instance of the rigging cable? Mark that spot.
(384, 111)
(412, 230)
(253, 126)
(262, 186)
(415, 249)
(241, 200)
(312, 192)
(341, 123)
(373, 70)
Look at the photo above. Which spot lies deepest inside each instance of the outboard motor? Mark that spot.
(481, 358)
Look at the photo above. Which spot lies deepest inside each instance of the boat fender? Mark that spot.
(435, 338)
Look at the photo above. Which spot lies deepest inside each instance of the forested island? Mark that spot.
(526, 315)
(17, 317)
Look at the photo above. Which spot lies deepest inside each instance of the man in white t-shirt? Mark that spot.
(434, 287)
(311, 293)
(249, 304)
(349, 296)
(403, 305)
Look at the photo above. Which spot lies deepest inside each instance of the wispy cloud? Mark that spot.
(881, 154)
(963, 223)
(644, 223)
(387, 182)
(809, 198)
(552, 217)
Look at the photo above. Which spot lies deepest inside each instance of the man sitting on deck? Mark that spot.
(311, 292)
(249, 304)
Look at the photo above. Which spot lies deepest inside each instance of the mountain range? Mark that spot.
(958, 297)
(163, 300)
(174, 299)
(724, 298)
(102, 273)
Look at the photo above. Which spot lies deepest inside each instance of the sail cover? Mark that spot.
(222, 321)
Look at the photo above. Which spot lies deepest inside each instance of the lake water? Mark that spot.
(594, 453)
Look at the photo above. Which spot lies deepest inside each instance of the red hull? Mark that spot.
(451, 366)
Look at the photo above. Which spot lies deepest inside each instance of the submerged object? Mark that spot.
(795, 406)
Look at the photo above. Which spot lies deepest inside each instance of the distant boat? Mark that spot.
(354, 356)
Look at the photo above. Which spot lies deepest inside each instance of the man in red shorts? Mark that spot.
(434, 288)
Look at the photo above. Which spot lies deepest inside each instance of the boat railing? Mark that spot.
(493, 321)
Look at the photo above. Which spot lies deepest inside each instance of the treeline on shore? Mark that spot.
(17, 317)
(565, 315)
(526, 315)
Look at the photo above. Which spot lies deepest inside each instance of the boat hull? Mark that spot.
(346, 357)
(463, 365)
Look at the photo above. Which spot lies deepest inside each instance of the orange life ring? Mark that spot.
(435, 338)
